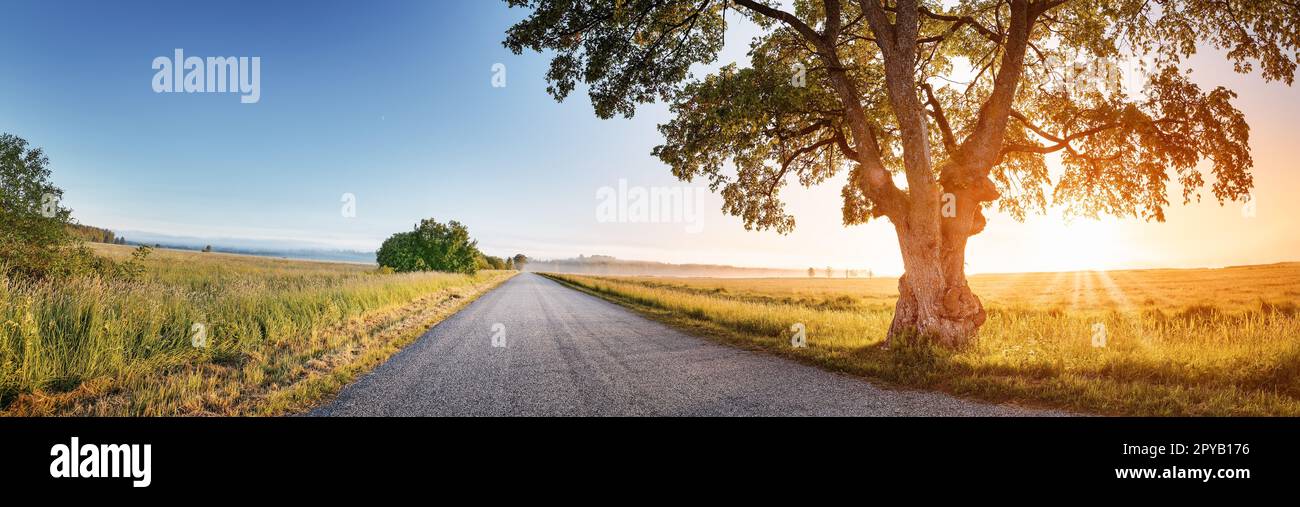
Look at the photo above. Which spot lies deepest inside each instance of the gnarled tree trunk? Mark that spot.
(934, 300)
(937, 305)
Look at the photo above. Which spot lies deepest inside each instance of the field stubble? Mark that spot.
(1157, 342)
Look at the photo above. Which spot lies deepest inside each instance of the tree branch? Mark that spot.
(789, 19)
(878, 22)
(878, 183)
(1063, 141)
(949, 141)
(898, 45)
(1035, 128)
(982, 148)
(833, 12)
(785, 165)
(959, 21)
(844, 144)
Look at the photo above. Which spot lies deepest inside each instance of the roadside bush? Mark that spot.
(431, 246)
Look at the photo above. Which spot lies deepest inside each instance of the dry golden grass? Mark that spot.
(281, 335)
(1177, 342)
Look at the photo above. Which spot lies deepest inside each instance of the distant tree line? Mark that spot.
(608, 265)
(492, 262)
(848, 273)
(95, 234)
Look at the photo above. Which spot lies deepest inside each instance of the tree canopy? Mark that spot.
(431, 246)
(820, 92)
(519, 261)
(491, 262)
(964, 99)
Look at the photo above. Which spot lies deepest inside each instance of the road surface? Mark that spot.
(567, 353)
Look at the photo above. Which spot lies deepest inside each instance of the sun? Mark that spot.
(1077, 244)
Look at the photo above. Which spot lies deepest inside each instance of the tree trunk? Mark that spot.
(936, 305)
(934, 300)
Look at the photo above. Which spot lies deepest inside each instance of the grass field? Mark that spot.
(280, 335)
(1176, 342)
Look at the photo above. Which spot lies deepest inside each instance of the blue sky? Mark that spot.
(392, 101)
(389, 101)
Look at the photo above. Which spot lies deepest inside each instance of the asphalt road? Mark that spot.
(570, 354)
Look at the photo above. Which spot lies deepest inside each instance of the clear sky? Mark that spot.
(393, 102)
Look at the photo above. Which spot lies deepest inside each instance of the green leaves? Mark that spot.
(628, 52)
(1252, 33)
(431, 246)
(750, 130)
(775, 119)
(33, 225)
(1119, 153)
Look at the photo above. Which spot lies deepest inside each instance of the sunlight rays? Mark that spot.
(1116, 295)
(1075, 289)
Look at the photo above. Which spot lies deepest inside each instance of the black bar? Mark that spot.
(287, 454)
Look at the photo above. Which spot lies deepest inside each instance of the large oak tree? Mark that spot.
(937, 110)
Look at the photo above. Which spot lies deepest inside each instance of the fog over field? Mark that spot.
(606, 265)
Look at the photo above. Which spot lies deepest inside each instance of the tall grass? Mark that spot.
(91, 345)
(1190, 359)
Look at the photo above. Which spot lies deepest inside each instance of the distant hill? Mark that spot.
(307, 254)
(284, 250)
(606, 265)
